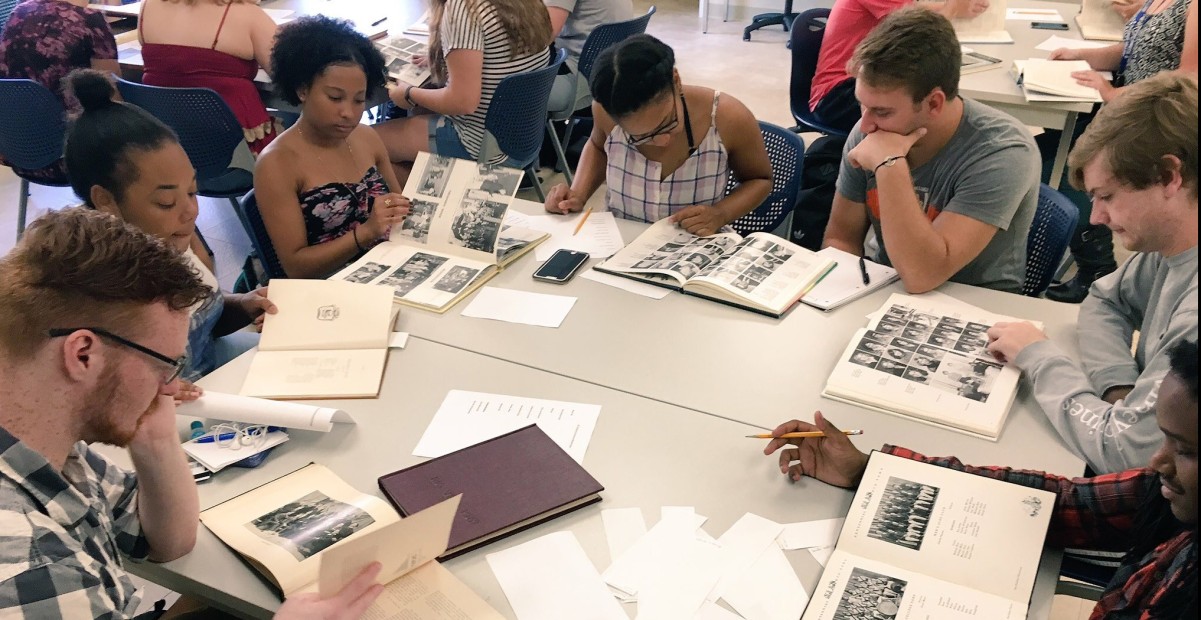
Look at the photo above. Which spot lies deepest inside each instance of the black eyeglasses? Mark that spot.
(177, 364)
(666, 128)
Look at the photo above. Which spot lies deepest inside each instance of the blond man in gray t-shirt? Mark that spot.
(948, 186)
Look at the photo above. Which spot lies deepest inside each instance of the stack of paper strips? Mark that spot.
(1098, 21)
(1051, 80)
(926, 358)
(987, 27)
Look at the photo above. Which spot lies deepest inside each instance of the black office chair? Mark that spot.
(771, 19)
(806, 42)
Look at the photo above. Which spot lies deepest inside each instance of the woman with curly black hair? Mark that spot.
(325, 186)
(474, 44)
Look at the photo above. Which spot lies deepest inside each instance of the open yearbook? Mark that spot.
(1099, 22)
(400, 57)
(454, 238)
(923, 541)
(762, 273)
(925, 358)
(987, 27)
(309, 531)
(328, 339)
(1051, 80)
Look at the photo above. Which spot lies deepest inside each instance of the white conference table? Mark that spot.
(709, 357)
(997, 87)
(648, 454)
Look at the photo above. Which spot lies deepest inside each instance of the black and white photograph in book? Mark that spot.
(366, 273)
(969, 377)
(477, 222)
(904, 513)
(501, 181)
(416, 224)
(870, 596)
(308, 525)
(455, 279)
(413, 272)
(434, 177)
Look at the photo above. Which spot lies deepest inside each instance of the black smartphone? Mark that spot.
(561, 266)
(1049, 25)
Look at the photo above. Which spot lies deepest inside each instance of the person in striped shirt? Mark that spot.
(474, 44)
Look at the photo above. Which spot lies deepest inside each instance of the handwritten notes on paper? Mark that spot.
(467, 418)
(599, 236)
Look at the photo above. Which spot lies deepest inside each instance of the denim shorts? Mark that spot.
(444, 139)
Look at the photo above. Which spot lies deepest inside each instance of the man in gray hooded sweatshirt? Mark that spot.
(1138, 162)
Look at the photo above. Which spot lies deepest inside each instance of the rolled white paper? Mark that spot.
(249, 410)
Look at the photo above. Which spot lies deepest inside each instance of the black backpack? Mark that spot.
(816, 198)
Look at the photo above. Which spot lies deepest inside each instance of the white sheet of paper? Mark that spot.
(741, 545)
(1033, 15)
(679, 589)
(551, 578)
(626, 284)
(249, 410)
(279, 16)
(1055, 42)
(713, 611)
(623, 526)
(822, 554)
(215, 457)
(809, 534)
(652, 553)
(398, 340)
(467, 418)
(502, 304)
(599, 237)
(768, 589)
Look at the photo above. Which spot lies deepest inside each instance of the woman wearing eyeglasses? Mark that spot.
(664, 148)
(123, 161)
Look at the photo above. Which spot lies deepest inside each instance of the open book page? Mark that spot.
(855, 588)
(326, 314)
(667, 250)
(1098, 21)
(282, 526)
(415, 275)
(974, 531)
(1053, 78)
(349, 373)
(247, 410)
(457, 206)
(987, 27)
(764, 269)
(927, 358)
(400, 55)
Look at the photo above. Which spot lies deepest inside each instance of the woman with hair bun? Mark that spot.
(123, 161)
(325, 186)
(664, 148)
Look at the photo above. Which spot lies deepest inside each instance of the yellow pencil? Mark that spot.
(583, 218)
(801, 435)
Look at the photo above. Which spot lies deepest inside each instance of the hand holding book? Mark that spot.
(832, 458)
(351, 602)
(1007, 340)
(387, 210)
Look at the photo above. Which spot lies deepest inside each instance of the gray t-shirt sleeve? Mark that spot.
(991, 189)
(852, 181)
(1110, 438)
(1109, 316)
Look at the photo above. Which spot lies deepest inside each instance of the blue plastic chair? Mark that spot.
(786, 150)
(516, 118)
(6, 10)
(208, 132)
(260, 240)
(1050, 232)
(31, 139)
(599, 40)
(806, 42)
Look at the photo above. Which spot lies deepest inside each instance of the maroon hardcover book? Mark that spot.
(509, 483)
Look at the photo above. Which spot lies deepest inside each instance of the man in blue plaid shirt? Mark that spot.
(93, 328)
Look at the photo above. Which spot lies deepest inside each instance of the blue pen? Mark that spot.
(230, 436)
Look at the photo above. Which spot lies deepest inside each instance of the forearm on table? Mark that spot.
(168, 506)
(590, 173)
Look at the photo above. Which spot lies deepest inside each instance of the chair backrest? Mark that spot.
(208, 130)
(604, 36)
(1050, 232)
(6, 9)
(808, 31)
(33, 137)
(786, 150)
(260, 239)
(517, 114)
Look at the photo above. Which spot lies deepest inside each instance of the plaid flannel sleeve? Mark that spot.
(119, 487)
(1092, 513)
